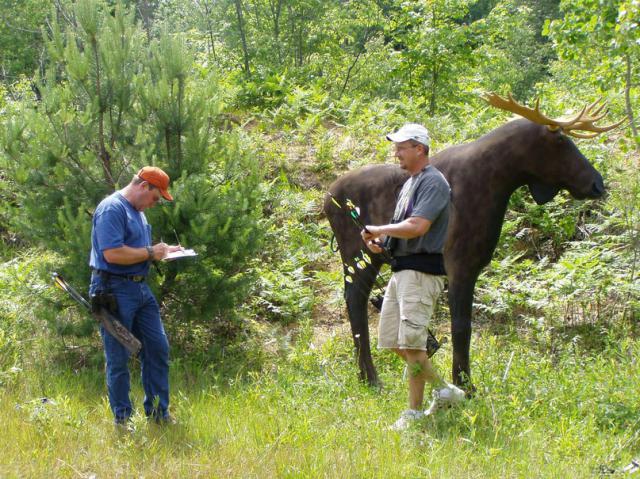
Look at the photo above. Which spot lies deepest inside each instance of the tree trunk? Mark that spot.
(207, 13)
(245, 51)
(180, 124)
(346, 80)
(276, 10)
(434, 65)
(300, 55)
(103, 154)
(361, 50)
(145, 10)
(167, 141)
(256, 14)
(167, 130)
(627, 98)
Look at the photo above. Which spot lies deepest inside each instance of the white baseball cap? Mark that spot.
(410, 131)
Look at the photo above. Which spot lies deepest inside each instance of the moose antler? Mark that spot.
(583, 121)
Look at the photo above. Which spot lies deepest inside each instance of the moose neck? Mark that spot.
(483, 174)
(508, 155)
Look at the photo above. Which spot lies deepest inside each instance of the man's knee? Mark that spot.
(116, 354)
(415, 355)
(158, 347)
(415, 360)
(399, 352)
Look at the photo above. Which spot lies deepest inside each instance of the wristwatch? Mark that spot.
(149, 252)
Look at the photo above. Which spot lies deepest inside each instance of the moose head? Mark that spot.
(550, 139)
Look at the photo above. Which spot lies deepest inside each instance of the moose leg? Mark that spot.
(460, 304)
(356, 295)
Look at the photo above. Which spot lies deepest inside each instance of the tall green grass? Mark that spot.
(557, 385)
(558, 413)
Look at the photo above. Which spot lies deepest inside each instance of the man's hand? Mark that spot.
(160, 250)
(370, 232)
(374, 246)
(370, 235)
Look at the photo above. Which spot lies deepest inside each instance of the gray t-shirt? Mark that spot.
(426, 195)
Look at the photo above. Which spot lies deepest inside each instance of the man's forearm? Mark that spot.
(399, 230)
(126, 255)
(407, 229)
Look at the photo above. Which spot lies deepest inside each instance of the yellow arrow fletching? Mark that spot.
(59, 283)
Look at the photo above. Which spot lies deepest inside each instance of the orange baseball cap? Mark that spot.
(158, 178)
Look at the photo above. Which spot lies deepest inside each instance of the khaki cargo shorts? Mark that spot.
(408, 304)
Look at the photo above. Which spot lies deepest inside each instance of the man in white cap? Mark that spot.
(415, 238)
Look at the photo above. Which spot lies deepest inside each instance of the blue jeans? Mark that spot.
(139, 312)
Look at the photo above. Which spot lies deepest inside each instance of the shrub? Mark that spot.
(112, 102)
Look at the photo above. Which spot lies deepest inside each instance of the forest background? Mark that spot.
(253, 107)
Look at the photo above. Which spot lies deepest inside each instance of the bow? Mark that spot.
(354, 213)
(362, 263)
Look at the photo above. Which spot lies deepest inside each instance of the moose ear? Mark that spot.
(541, 192)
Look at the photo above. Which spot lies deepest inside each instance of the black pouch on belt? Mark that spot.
(104, 308)
(102, 299)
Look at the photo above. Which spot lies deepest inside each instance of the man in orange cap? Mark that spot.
(121, 253)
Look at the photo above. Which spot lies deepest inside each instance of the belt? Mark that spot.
(136, 278)
(430, 263)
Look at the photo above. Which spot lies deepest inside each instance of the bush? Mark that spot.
(109, 107)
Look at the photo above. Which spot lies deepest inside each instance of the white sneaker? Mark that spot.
(444, 398)
(407, 418)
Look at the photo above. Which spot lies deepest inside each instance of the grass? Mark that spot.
(305, 415)
(290, 405)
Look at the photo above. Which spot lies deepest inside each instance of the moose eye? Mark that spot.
(560, 138)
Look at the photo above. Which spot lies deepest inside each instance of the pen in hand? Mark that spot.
(177, 239)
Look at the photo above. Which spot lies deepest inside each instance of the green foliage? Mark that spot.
(598, 49)
(431, 54)
(435, 49)
(111, 103)
(564, 265)
(511, 55)
(24, 301)
(290, 255)
(21, 44)
(315, 86)
(217, 213)
(284, 295)
(596, 35)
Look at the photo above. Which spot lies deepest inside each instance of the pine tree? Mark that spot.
(113, 101)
